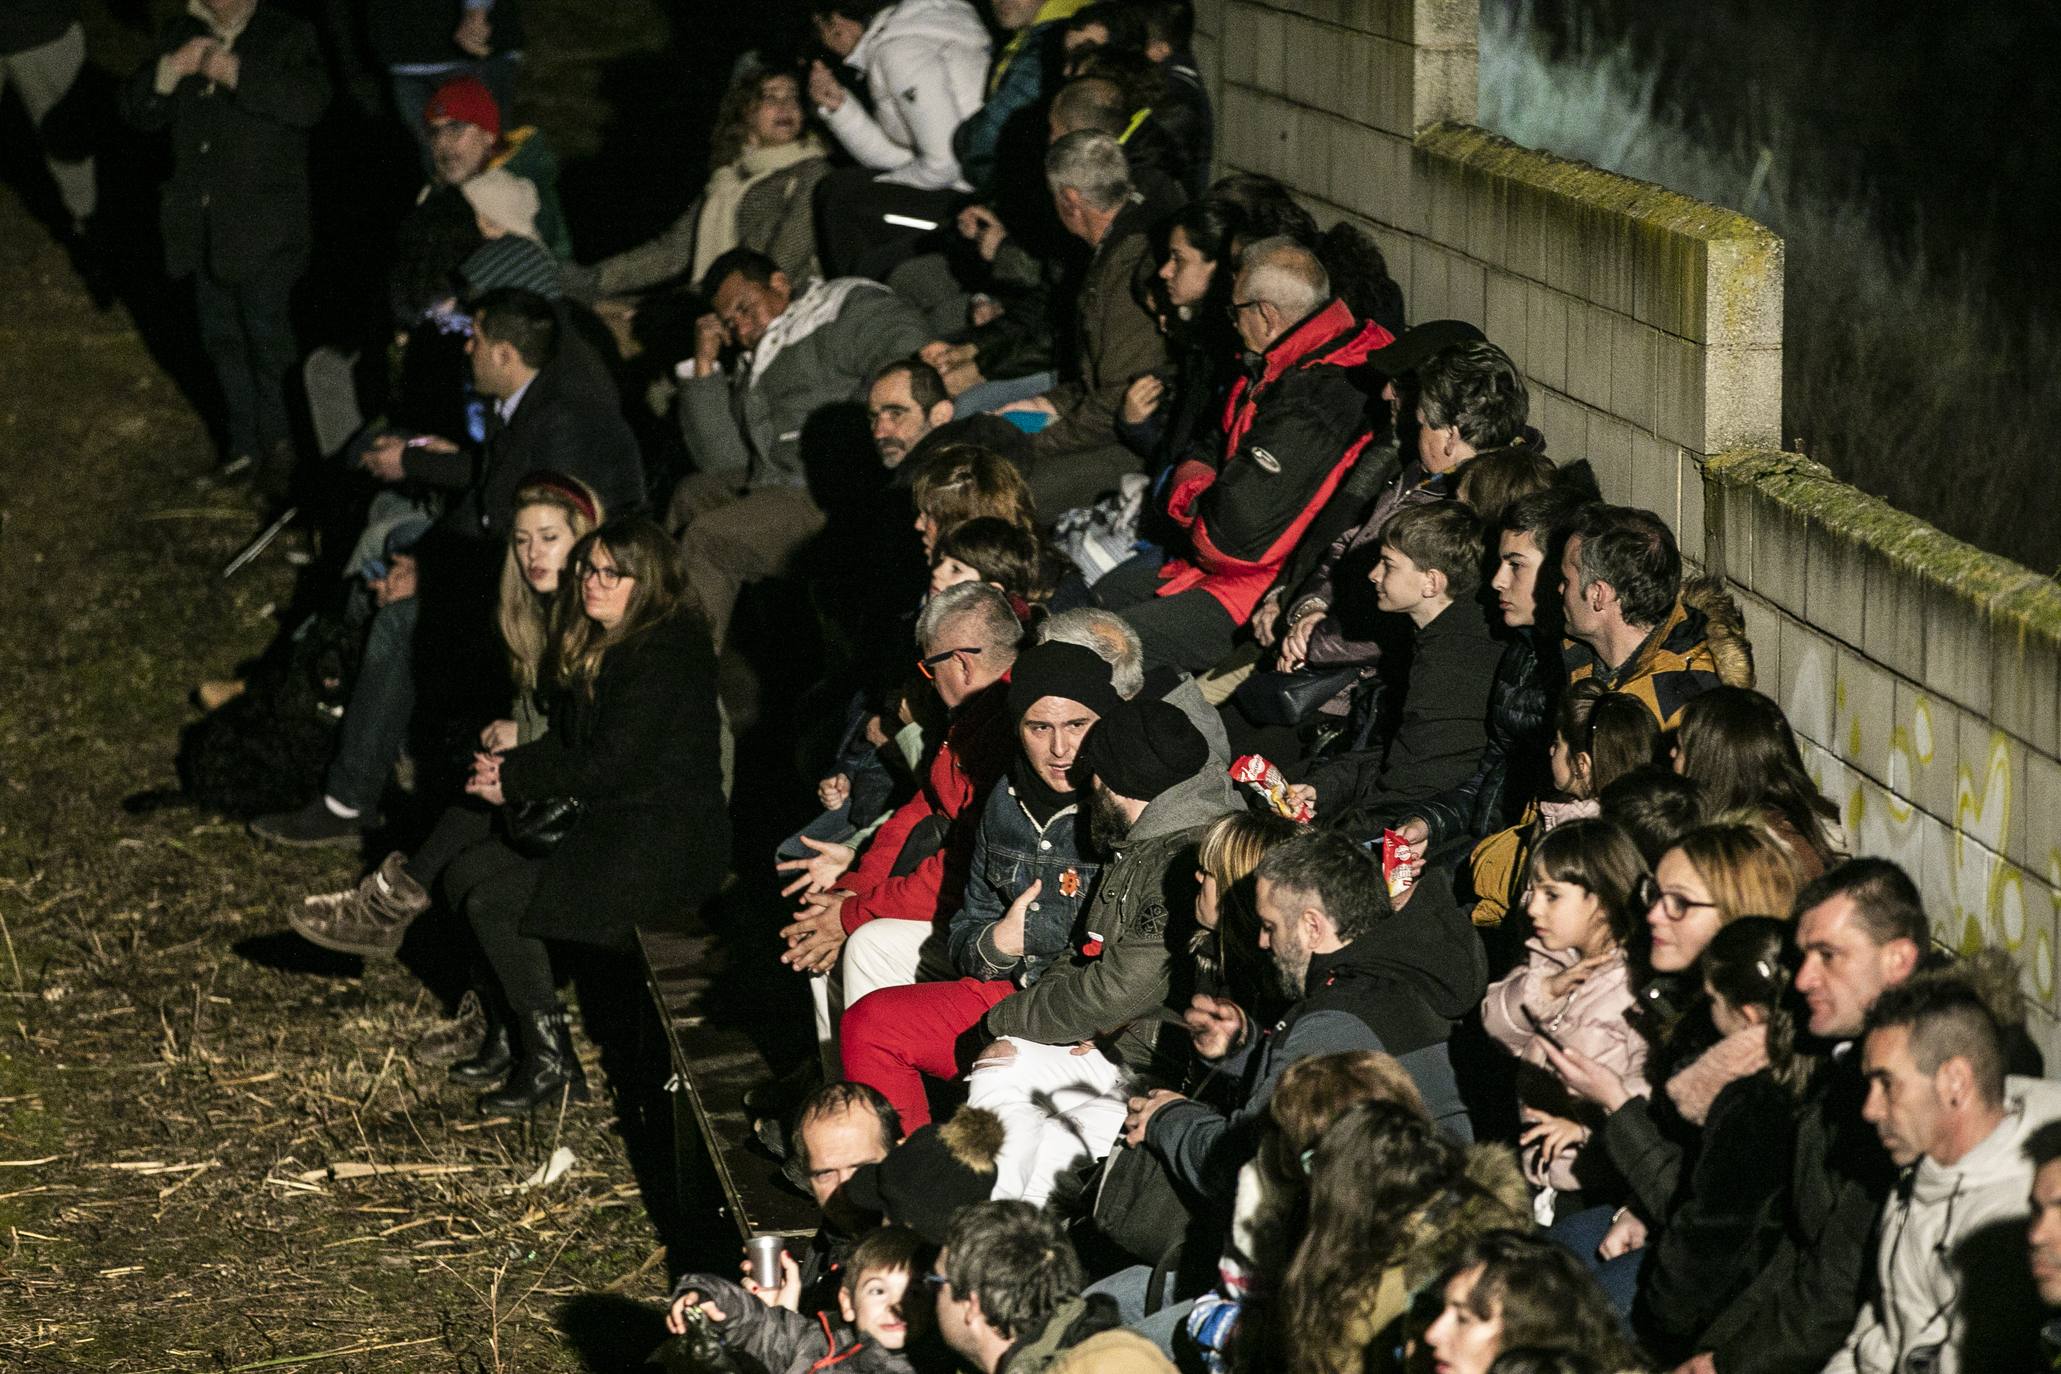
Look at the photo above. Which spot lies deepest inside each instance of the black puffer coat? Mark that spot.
(1513, 769)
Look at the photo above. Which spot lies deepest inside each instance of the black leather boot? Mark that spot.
(491, 1061)
(547, 1067)
(495, 1056)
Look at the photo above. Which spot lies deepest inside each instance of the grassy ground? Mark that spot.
(180, 1097)
(170, 1099)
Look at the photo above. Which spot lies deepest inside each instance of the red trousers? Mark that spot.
(892, 1037)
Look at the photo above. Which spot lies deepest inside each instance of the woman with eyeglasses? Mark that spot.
(552, 513)
(1715, 875)
(634, 744)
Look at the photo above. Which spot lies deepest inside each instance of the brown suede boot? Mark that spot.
(369, 919)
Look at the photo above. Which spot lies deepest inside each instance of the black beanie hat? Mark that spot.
(1141, 748)
(928, 1179)
(1060, 670)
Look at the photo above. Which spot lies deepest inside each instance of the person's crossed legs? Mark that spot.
(1060, 1105)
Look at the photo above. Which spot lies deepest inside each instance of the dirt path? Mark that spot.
(175, 1113)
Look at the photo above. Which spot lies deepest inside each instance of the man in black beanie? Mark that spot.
(1065, 1045)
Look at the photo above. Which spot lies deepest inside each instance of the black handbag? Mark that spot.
(1138, 1206)
(536, 827)
(1290, 698)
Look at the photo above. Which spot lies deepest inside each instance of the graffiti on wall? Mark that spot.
(1923, 784)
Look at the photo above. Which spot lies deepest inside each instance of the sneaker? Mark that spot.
(449, 1041)
(313, 826)
(369, 919)
(235, 468)
(217, 692)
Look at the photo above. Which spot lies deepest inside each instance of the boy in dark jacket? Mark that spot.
(1430, 567)
(871, 1330)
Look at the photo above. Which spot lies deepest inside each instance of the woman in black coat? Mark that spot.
(634, 741)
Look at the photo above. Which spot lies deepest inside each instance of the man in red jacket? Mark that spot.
(1294, 426)
(865, 928)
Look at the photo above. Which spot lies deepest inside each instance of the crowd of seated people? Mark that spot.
(1290, 874)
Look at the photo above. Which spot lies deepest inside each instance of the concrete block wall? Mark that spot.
(1923, 677)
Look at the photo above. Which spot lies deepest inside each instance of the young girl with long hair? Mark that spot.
(1573, 990)
(1598, 737)
(1510, 1291)
(552, 513)
(1392, 1201)
(1736, 743)
(1699, 1246)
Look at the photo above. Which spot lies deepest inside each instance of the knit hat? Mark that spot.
(1419, 344)
(1141, 748)
(1060, 670)
(501, 197)
(467, 100)
(928, 1179)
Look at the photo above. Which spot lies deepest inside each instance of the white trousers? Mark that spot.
(879, 954)
(43, 76)
(1058, 1109)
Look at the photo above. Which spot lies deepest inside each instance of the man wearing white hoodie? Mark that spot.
(924, 63)
(1953, 1293)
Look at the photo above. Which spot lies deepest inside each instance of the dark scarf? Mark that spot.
(1041, 800)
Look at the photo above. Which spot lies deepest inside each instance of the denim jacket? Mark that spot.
(1010, 852)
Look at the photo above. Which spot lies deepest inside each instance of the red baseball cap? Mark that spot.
(467, 100)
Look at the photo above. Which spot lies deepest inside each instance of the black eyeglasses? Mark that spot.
(927, 666)
(609, 578)
(1649, 894)
(1237, 308)
(936, 1283)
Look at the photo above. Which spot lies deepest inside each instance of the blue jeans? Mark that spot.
(375, 723)
(1581, 1234)
(979, 400)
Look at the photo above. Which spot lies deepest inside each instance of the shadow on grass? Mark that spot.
(610, 1333)
(286, 952)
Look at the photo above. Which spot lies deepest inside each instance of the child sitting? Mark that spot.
(993, 550)
(1573, 990)
(1598, 737)
(1430, 567)
(876, 1315)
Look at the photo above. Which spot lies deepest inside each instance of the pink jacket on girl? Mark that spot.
(1591, 1020)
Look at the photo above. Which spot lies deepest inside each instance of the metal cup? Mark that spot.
(764, 1252)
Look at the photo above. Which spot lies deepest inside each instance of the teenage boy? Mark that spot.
(872, 1302)
(1430, 567)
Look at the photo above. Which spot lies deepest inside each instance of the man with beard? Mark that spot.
(1032, 876)
(1064, 1046)
(1361, 972)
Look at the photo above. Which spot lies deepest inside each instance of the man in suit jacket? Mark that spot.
(760, 429)
(238, 86)
(554, 410)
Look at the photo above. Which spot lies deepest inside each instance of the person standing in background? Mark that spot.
(238, 85)
(42, 49)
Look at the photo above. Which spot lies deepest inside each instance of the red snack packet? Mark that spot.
(1264, 778)
(1397, 870)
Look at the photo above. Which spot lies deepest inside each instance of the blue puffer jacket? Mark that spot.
(1010, 852)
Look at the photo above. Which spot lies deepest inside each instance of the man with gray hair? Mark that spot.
(866, 928)
(1077, 456)
(1299, 418)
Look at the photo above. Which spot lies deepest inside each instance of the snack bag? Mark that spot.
(1399, 867)
(1264, 778)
